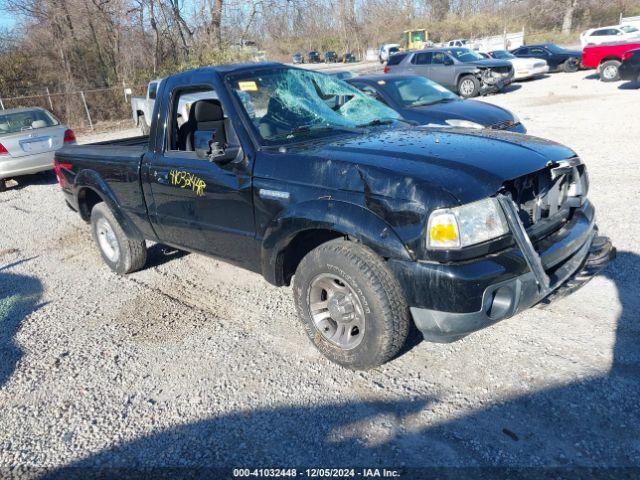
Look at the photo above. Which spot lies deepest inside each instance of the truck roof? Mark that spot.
(240, 67)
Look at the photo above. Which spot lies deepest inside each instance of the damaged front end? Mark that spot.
(494, 79)
(555, 248)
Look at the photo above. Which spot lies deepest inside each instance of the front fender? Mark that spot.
(90, 179)
(345, 218)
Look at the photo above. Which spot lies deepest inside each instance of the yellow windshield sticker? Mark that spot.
(381, 82)
(184, 179)
(248, 86)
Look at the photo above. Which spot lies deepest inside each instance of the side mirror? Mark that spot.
(447, 61)
(208, 149)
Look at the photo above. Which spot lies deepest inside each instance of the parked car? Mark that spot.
(330, 57)
(607, 59)
(615, 33)
(349, 57)
(314, 57)
(297, 58)
(523, 68)
(421, 100)
(557, 58)
(142, 107)
(386, 51)
(343, 74)
(28, 139)
(459, 69)
(630, 68)
(375, 222)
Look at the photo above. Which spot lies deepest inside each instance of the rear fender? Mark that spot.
(90, 179)
(347, 219)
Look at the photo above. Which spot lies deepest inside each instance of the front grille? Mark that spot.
(547, 197)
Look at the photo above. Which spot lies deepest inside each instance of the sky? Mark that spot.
(6, 20)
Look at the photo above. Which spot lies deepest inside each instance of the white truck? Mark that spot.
(142, 107)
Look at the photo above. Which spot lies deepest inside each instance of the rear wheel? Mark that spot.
(121, 253)
(571, 65)
(350, 304)
(610, 71)
(468, 86)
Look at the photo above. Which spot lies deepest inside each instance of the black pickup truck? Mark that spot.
(376, 222)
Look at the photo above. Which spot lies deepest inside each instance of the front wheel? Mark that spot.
(120, 252)
(468, 86)
(610, 71)
(351, 306)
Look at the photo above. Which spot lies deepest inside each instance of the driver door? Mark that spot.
(440, 72)
(200, 204)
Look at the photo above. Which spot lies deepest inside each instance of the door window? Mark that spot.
(538, 51)
(421, 58)
(438, 58)
(195, 110)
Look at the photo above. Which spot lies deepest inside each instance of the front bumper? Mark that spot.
(449, 301)
(530, 73)
(15, 166)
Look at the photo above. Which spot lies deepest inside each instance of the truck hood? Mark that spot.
(468, 164)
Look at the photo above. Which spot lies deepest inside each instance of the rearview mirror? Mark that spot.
(207, 148)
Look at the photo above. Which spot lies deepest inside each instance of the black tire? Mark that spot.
(468, 86)
(144, 127)
(571, 65)
(3, 185)
(609, 71)
(132, 254)
(384, 309)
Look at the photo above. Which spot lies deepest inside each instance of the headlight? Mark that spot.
(456, 122)
(458, 227)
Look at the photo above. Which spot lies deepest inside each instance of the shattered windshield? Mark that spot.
(287, 103)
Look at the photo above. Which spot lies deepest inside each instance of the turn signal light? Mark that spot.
(386, 69)
(3, 150)
(627, 56)
(69, 136)
(57, 168)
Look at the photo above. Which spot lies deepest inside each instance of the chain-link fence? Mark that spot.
(81, 109)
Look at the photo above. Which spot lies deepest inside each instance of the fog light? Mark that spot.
(501, 302)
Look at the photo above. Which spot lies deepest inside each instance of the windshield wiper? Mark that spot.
(376, 123)
(306, 129)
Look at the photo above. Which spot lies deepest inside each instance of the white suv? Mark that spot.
(617, 33)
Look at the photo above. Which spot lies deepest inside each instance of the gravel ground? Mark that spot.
(193, 362)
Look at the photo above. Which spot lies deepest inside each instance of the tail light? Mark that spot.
(69, 136)
(3, 150)
(58, 167)
(627, 56)
(386, 69)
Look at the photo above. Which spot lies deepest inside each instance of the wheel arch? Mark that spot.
(90, 189)
(306, 226)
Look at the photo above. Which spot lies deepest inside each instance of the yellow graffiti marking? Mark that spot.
(184, 179)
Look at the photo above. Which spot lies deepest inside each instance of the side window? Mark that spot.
(421, 58)
(153, 90)
(369, 90)
(538, 51)
(522, 51)
(195, 110)
(438, 58)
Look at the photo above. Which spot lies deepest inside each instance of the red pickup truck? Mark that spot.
(607, 58)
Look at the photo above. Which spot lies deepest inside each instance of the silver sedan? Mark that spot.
(29, 138)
